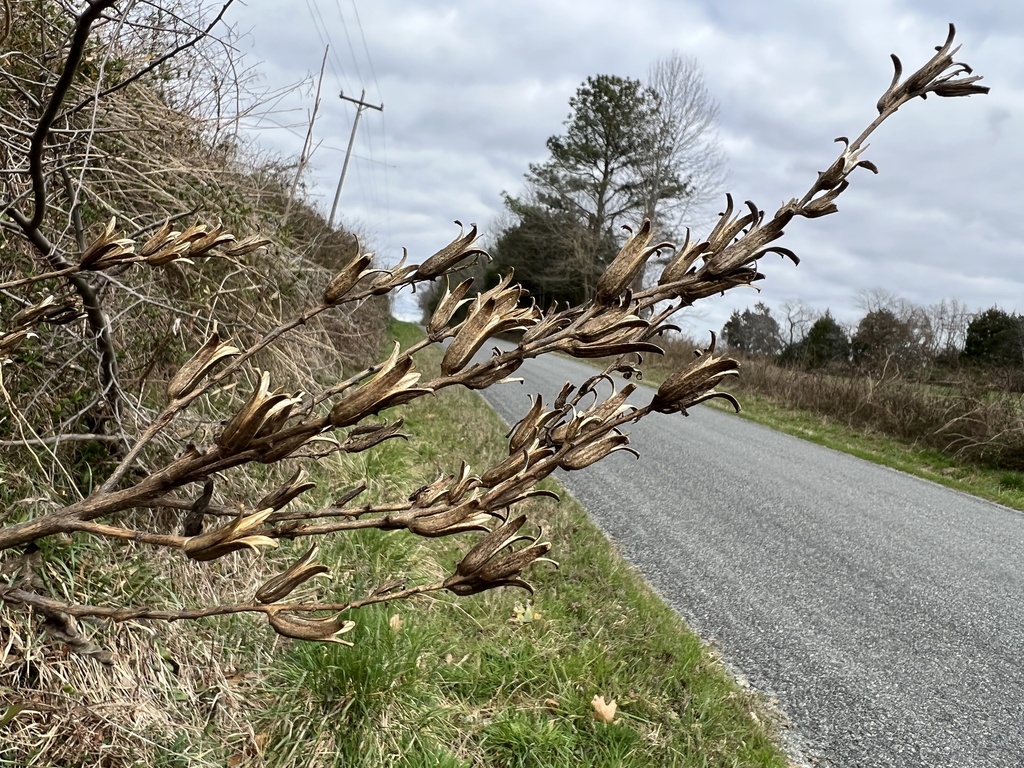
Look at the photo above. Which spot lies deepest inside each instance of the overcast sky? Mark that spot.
(471, 91)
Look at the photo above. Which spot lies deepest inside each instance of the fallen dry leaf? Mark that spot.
(524, 614)
(604, 710)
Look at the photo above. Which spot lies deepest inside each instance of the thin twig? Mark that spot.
(76, 50)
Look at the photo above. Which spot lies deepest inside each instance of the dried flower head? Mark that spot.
(107, 250)
(449, 257)
(492, 312)
(451, 302)
(696, 383)
(301, 571)
(299, 627)
(629, 263)
(203, 361)
(494, 563)
(262, 408)
(394, 384)
(232, 537)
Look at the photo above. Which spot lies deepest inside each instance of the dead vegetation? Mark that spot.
(163, 348)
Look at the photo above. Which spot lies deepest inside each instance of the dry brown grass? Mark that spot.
(972, 416)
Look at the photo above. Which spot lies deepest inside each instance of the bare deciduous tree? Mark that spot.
(685, 146)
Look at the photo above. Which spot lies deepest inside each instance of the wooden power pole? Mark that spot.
(360, 106)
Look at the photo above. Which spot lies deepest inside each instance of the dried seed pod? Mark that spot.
(462, 483)
(210, 239)
(680, 264)
(437, 328)
(465, 516)
(493, 563)
(107, 250)
(203, 361)
(41, 311)
(489, 545)
(495, 311)
(345, 281)
(695, 383)
(328, 630)
(512, 465)
(287, 493)
(159, 239)
(301, 571)
(231, 537)
(481, 377)
(629, 262)
(261, 407)
(393, 385)
(529, 427)
(247, 245)
(448, 257)
(595, 450)
(10, 340)
(362, 439)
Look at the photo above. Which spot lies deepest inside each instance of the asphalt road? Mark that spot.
(885, 613)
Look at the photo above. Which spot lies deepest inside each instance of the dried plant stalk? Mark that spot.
(186, 440)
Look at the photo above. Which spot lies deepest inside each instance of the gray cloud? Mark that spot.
(473, 89)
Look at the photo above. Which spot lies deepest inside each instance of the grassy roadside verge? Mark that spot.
(502, 679)
(1001, 486)
(998, 485)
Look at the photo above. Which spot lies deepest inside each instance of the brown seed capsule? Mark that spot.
(328, 630)
(107, 250)
(437, 328)
(393, 383)
(629, 262)
(261, 407)
(230, 538)
(195, 370)
(301, 571)
(345, 281)
(292, 489)
(695, 383)
(449, 256)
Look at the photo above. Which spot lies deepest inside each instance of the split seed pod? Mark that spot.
(195, 370)
(298, 627)
(228, 538)
(301, 571)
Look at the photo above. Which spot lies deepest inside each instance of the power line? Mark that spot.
(369, 59)
(323, 32)
(348, 38)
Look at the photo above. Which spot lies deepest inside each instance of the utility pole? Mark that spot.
(360, 106)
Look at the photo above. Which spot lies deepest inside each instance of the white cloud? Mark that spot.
(473, 89)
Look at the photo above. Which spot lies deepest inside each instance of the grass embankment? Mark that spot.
(1004, 486)
(497, 679)
(501, 679)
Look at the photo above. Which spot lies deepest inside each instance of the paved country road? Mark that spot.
(885, 613)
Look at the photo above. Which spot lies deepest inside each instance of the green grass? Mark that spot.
(1001, 486)
(998, 485)
(501, 678)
